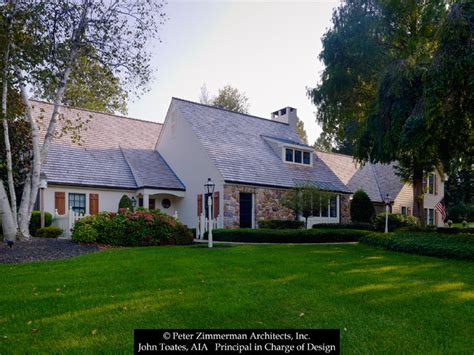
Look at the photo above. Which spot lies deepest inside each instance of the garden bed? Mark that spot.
(460, 246)
(37, 249)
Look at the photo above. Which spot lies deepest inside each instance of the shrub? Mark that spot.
(140, 228)
(454, 230)
(125, 202)
(35, 222)
(277, 224)
(435, 244)
(425, 229)
(49, 232)
(362, 209)
(460, 212)
(361, 226)
(84, 233)
(287, 235)
(395, 221)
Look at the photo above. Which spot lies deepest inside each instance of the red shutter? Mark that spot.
(409, 213)
(215, 205)
(199, 202)
(60, 202)
(93, 203)
(436, 217)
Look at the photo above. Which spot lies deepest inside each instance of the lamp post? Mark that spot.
(209, 188)
(134, 202)
(388, 201)
(42, 186)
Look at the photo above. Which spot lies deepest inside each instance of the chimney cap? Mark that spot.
(284, 111)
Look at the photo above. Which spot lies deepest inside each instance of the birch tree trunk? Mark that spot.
(30, 191)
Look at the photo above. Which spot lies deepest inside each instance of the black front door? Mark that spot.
(245, 210)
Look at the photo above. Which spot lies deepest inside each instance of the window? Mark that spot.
(78, 203)
(166, 203)
(429, 184)
(333, 206)
(297, 156)
(404, 211)
(306, 158)
(429, 215)
(324, 208)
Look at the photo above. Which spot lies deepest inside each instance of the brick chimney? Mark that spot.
(286, 115)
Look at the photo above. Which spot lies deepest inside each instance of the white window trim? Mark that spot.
(318, 219)
(295, 147)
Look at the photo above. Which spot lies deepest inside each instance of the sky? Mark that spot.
(269, 50)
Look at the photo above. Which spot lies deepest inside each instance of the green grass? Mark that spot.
(383, 302)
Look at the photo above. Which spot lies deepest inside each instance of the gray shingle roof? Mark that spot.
(234, 142)
(375, 179)
(100, 159)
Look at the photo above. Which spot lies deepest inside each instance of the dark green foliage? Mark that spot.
(126, 202)
(362, 209)
(140, 228)
(49, 232)
(84, 233)
(35, 222)
(287, 235)
(277, 224)
(461, 212)
(440, 245)
(360, 226)
(425, 229)
(455, 230)
(395, 221)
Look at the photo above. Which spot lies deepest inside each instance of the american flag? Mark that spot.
(440, 208)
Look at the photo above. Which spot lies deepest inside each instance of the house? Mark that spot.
(252, 160)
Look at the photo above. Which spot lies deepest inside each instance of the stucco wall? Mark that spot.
(108, 199)
(187, 157)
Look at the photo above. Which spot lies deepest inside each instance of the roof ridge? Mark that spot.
(376, 180)
(135, 177)
(334, 153)
(101, 112)
(224, 109)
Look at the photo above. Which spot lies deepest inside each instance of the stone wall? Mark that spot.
(267, 204)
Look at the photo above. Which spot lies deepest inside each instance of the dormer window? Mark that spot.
(297, 156)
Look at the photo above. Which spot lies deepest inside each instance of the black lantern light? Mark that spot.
(134, 202)
(209, 186)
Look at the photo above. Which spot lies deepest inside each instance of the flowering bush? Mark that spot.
(139, 228)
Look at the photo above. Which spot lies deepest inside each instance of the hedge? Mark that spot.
(49, 232)
(434, 244)
(395, 221)
(454, 230)
(277, 224)
(361, 226)
(35, 222)
(127, 228)
(287, 235)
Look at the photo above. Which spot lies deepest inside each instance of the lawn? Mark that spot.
(383, 302)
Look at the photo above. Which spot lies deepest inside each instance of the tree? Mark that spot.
(91, 86)
(304, 199)
(204, 97)
(362, 209)
(114, 34)
(125, 202)
(229, 98)
(322, 143)
(301, 131)
(372, 92)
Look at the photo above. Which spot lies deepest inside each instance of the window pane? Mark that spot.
(298, 156)
(404, 211)
(306, 158)
(289, 155)
(431, 183)
(317, 208)
(431, 216)
(324, 208)
(333, 207)
(78, 203)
